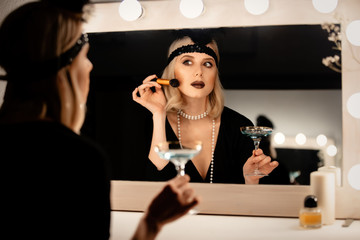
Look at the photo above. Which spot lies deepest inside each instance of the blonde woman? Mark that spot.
(195, 111)
(54, 181)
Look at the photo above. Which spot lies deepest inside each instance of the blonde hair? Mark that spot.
(215, 103)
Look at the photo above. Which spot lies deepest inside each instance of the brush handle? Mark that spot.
(172, 82)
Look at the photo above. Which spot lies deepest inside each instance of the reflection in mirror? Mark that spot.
(275, 71)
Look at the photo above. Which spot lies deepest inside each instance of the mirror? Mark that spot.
(280, 65)
(224, 199)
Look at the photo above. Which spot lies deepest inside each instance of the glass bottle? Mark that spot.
(310, 214)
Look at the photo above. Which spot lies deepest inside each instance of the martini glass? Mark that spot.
(179, 154)
(256, 133)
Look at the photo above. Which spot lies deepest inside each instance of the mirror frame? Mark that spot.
(231, 199)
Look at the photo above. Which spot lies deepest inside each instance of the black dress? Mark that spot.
(54, 183)
(231, 152)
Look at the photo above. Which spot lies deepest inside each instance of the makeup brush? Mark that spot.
(172, 82)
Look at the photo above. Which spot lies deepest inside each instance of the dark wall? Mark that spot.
(267, 57)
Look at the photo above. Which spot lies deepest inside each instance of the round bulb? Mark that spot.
(300, 139)
(325, 6)
(321, 140)
(256, 7)
(130, 10)
(352, 105)
(167, 155)
(279, 138)
(191, 8)
(353, 32)
(354, 177)
(331, 150)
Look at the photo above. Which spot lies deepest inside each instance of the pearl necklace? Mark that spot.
(190, 117)
(180, 112)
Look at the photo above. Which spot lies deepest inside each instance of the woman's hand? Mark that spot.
(173, 202)
(262, 162)
(154, 101)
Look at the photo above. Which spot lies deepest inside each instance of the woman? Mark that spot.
(54, 181)
(195, 111)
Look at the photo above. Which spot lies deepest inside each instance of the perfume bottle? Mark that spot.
(310, 214)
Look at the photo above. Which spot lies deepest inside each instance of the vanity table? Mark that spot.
(217, 227)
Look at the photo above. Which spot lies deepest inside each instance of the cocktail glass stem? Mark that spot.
(256, 144)
(180, 168)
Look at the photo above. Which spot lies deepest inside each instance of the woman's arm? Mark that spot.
(158, 136)
(155, 102)
(173, 202)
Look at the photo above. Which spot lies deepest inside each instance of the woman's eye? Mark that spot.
(208, 64)
(187, 62)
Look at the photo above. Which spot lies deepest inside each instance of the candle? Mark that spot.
(335, 170)
(323, 187)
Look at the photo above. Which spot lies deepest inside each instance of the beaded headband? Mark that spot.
(49, 67)
(193, 48)
(67, 57)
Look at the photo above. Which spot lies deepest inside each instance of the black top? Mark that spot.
(231, 152)
(54, 183)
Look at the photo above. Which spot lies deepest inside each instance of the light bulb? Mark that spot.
(321, 140)
(191, 8)
(353, 32)
(279, 138)
(256, 7)
(325, 6)
(130, 10)
(352, 105)
(354, 176)
(331, 150)
(300, 139)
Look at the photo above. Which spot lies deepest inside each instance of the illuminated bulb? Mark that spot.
(167, 155)
(354, 177)
(191, 8)
(300, 139)
(353, 32)
(331, 150)
(321, 140)
(256, 7)
(279, 138)
(130, 10)
(325, 6)
(352, 105)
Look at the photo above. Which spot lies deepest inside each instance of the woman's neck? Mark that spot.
(195, 106)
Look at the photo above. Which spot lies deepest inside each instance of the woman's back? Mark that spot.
(53, 180)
